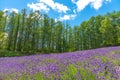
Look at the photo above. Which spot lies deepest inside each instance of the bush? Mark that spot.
(4, 53)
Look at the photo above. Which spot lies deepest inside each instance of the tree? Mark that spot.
(107, 31)
(21, 30)
(11, 28)
(33, 32)
(3, 34)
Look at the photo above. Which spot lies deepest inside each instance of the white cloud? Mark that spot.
(74, 11)
(49, 3)
(108, 0)
(38, 6)
(61, 8)
(67, 17)
(82, 4)
(11, 10)
(74, 1)
(96, 4)
(45, 5)
(15, 10)
(55, 6)
(6, 9)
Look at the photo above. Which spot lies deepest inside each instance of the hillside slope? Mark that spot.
(96, 64)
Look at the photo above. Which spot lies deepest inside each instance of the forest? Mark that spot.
(30, 32)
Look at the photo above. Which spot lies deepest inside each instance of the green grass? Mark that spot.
(73, 73)
(5, 53)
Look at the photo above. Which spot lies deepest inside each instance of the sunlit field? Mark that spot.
(60, 40)
(96, 64)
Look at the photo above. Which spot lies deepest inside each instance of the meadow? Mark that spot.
(60, 40)
(95, 64)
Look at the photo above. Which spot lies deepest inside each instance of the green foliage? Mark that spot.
(72, 73)
(104, 59)
(3, 40)
(5, 53)
(86, 74)
(72, 70)
(35, 32)
(39, 76)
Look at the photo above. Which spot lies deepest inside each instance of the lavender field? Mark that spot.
(96, 64)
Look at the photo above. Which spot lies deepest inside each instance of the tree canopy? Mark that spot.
(34, 31)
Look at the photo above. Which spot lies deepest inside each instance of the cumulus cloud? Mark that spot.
(67, 17)
(11, 10)
(6, 9)
(108, 0)
(96, 4)
(45, 5)
(56, 6)
(38, 6)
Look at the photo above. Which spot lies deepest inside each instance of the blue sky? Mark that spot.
(73, 11)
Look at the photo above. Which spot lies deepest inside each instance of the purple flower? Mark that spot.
(54, 65)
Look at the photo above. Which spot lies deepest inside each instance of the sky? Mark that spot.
(73, 11)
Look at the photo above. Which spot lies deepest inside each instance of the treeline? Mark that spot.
(36, 32)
